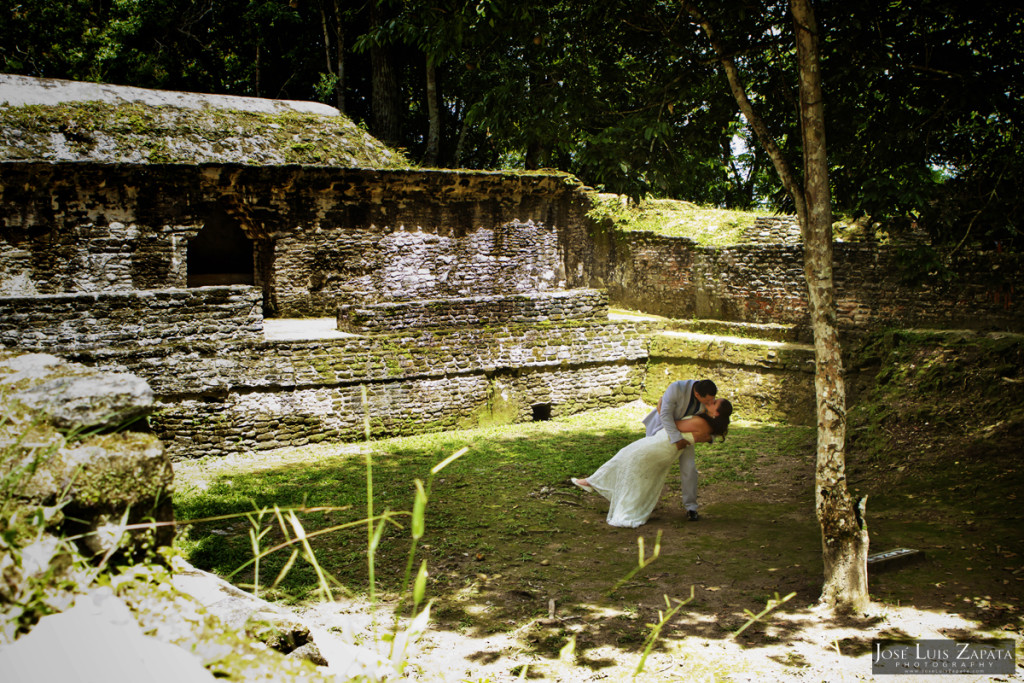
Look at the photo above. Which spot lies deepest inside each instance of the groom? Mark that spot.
(682, 399)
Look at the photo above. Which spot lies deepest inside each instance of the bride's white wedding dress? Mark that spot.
(632, 480)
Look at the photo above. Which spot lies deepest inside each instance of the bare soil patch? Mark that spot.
(522, 563)
(753, 542)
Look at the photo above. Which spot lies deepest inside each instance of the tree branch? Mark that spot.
(782, 167)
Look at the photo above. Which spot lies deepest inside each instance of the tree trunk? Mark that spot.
(385, 102)
(460, 145)
(339, 50)
(538, 155)
(335, 63)
(434, 113)
(844, 536)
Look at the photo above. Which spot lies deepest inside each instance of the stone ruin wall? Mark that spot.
(773, 230)
(222, 397)
(764, 283)
(326, 237)
(221, 388)
(321, 236)
(479, 311)
(115, 239)
(100, 320)
(95, 266)
(772, 381)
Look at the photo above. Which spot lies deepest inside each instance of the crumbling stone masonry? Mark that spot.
(66, 434)
(469, 297)
(99, 264)
(520, 309)
(311, 238)
(876, 285)
(236, 396)
(101, 320)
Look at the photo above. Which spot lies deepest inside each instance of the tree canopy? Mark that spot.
(922, 99)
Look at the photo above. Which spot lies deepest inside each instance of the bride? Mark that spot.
(632, 480)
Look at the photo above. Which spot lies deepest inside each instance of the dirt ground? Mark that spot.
(504, 608)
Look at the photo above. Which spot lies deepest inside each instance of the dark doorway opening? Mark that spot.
(220, 254)
(541, 412)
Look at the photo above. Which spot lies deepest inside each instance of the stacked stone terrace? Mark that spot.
(522, 309)
(101, 320)
(96, 260)
(167, 271)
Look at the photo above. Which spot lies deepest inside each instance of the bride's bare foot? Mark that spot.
(583, 484)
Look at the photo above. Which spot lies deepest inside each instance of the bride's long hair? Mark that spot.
(720, 424)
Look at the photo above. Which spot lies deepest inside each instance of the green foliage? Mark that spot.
(327, 87)
(494, 504)
(926, 97)
(642, 561)
(48, 38)
(34, 576)
(923, 103)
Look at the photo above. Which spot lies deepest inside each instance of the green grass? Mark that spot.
(708, 226)
(497, 502)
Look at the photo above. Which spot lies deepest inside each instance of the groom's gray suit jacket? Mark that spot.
(677, 402)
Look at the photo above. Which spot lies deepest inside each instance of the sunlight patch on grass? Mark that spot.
(509, 492)
(708, 226)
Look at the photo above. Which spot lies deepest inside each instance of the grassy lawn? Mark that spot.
(501, 501)
(509, 542)
(706, 225)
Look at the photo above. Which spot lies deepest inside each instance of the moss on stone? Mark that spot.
(725, 350)
(132, 132)
(708, 226)
(125, 469)
(502, 407)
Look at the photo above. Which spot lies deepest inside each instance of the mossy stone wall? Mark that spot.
(321, 236)
(875, 285)
(242, 421)
(49, 322)
(519, 309)
(770, 381)
(219, 397)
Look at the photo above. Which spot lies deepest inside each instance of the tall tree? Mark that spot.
(929, 92)
(332, 20)
(843, 526)
(438, 30)
(930, 98)
(386, 120)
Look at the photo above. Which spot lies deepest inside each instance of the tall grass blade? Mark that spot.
(754, 618)
(449, 460)
(420, 587)
(310, 556)
(641, 563)
(652, 638)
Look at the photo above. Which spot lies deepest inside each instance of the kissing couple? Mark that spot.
(688, 413)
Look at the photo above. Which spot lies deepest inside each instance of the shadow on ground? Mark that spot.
(521, 561)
